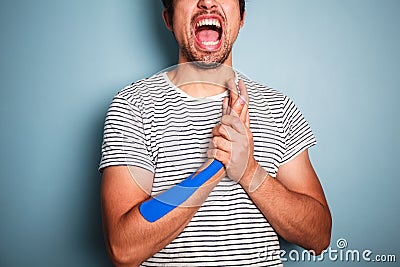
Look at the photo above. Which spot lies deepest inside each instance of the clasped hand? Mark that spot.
(232, 141)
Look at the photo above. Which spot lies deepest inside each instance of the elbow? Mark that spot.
(324, 241)
(122, 256)
(321, 246)
(315, 247)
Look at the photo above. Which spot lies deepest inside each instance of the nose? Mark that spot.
(207, 4)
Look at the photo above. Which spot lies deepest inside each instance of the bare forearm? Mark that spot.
(298, 218)
(132, 239)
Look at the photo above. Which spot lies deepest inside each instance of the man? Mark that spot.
(157, 133)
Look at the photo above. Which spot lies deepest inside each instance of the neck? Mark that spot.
(198, 81)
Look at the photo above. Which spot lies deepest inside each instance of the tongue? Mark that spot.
(207, 36)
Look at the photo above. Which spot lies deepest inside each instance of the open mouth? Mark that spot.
(208, 31)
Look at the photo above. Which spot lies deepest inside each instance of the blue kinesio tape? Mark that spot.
(155, 208)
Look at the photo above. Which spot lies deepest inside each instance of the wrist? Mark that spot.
(249, 172)
(252, 180)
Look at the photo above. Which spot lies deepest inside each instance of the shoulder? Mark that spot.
(262, 96)
(266, 100)
(144, 95)
(144, 89)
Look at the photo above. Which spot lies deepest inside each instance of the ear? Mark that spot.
(167, 21)
(242, 21)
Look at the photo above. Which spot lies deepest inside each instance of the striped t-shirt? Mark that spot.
(154, 125)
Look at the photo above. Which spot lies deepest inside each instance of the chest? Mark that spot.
(180, 132)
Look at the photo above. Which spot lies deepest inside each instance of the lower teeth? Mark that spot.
(210, 43)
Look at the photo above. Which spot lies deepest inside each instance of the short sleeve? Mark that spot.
(298, 134)
(124, 142)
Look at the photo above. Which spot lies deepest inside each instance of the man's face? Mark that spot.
(206, 29)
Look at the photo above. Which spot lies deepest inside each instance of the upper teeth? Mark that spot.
(213, 22)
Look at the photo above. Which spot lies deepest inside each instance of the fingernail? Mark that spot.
(241, 100)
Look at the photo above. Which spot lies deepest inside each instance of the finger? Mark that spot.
(237, 107)
(219, 155)
(247, 119)
(220, 130)
(221, 143)
(243, 91)
(211, 144)
(233, 122)
(237, 102)
(245, 116)
(244, 113)
(215, 130)
(233, 92)
(240, 105)
(245, 96)
(225, 106)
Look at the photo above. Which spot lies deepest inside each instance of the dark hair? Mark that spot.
(168, 4)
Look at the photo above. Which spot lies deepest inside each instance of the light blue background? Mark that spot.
(62, 61)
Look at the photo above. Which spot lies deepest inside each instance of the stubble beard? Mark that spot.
(206, 59)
